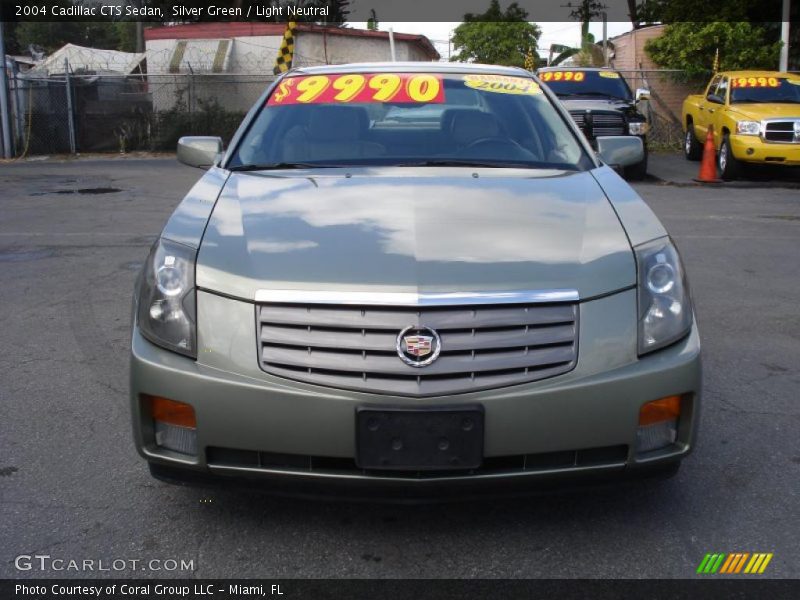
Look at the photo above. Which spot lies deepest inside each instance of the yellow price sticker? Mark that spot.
(754, 82)
(501, 84)
(576, 76)
(608, 74)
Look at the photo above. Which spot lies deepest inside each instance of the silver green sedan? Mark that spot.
(412, 279)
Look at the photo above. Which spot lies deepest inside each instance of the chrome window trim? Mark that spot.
(414, 298)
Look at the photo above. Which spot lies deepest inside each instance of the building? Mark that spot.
(666, 93)
(88, 61)
(231, 61)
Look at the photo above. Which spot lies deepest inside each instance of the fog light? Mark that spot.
(178, 439)
(174, 424)
(658, 424)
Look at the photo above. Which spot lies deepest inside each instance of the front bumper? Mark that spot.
(751, 148)
(580, 423)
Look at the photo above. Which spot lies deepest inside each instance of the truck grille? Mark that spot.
(354, 347)
(780, 132)
(603, 123)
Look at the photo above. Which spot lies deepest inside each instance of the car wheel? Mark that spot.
(692, 149)
(729, 166)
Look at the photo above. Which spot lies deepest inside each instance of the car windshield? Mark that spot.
(409, 119)
(586, 83)
(765, 89)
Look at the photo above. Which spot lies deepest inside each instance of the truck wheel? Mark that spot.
(729, 167)
(638, 171)
(692, 149)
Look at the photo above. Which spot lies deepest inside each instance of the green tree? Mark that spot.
(584, 12)
(496, 37)
(372, 22)
(589, 54)
(52, 35)
(691, 47)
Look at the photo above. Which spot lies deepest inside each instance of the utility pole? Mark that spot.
(784, 61)
(605, 39)
(391, 45)
(70, 110)
(5, 117)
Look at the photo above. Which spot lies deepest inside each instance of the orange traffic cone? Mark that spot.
(708, 166)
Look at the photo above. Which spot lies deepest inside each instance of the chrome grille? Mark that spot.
(354, 347)
(603, 123)
(780, 131)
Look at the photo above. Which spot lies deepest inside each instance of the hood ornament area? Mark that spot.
(418, 346)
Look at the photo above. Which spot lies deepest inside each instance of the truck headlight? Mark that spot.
(166, 313)
(665, 308)
(748, 127)
(637, 127)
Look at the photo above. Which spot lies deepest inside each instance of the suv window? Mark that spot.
(605, 83)
(397, 119)
(779, 90)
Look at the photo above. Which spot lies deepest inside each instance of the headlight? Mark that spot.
(637, 128)
(665, 309)
(167, 297)
(748, 127)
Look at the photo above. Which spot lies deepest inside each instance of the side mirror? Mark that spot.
(200, 152)
(642, 94)
(715, 99)
(620, 150)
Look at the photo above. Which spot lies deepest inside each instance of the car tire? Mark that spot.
(638, 171)
(729, 167)
(692, 149)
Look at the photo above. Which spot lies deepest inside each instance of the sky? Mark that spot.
(567, 33)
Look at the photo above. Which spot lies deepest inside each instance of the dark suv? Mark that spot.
(601, 103)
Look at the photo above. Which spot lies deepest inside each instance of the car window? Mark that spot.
(722, 88)
(765, 89)
(410, 119)
(712, 87)
(567, 83)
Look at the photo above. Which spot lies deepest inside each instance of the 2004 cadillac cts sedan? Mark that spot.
(413, 279)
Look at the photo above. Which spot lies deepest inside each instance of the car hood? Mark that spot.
(758, 111)
(593, 104)
(423, 230)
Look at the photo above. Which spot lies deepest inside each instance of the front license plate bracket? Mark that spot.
(415, 439)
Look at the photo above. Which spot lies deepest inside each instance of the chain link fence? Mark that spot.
(60, 115)
(115, 113)
(663, 110)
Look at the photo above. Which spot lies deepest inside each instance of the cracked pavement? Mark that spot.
(73, 487)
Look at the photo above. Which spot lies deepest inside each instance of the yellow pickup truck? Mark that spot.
(755, 117)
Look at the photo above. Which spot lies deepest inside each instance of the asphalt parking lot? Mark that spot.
(74, 233)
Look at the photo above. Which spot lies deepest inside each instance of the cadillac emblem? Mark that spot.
(418, 346)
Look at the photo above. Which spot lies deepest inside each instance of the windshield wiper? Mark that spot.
(455, 162)
(282, 165)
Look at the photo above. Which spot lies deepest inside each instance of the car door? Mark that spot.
(706, 109)
(716, 110)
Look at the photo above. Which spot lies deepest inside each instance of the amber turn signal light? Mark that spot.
(170, 411)
(657, 411)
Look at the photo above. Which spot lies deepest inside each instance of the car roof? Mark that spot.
(756, 74)
(412, 67)
(568, 68)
